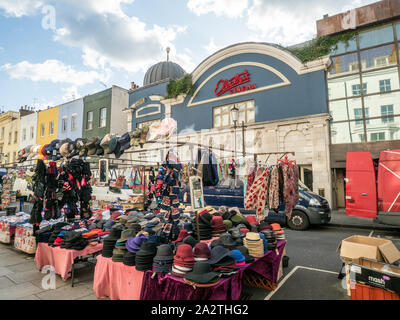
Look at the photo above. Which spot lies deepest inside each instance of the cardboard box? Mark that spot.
(376, 274)
(378, 249)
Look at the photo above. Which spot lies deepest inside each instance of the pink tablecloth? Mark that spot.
(61, 259)
(116, 280)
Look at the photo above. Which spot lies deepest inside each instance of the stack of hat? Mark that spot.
(204, 225)
(221, 262)
(163, 260)
(110, 241)
(190, 240)
(132, 246)
(183, 261)
(225, 240)
(228, 224)
(237, 235)
(239, 258)
(144, 257)
(279, 233)
(201, 252)
(74, 240)
(217, 225)
(270, 237)
(245, 253)
(254, 244)
(183, 233)
(119, 250)
(265, 241)
(202, 275)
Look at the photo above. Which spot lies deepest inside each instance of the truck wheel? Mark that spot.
(298, 221)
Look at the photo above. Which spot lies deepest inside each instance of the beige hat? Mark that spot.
(105, 143)
(64, 150)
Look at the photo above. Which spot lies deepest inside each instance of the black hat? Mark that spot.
(129, 258)
(190, 240)
(218, 253)
(226, 240)
(202, 274)
(125, 142)
(236, 233)
(245, 252)
(164, 253)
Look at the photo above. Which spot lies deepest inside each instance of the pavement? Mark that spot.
(339, 219)
(20, 279)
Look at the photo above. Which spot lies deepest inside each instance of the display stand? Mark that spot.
(24, 239)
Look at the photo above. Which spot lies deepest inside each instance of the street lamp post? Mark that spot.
(235, 116)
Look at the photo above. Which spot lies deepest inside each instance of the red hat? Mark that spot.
(201, 250)
(184, 254)
(252, 220)
(183, 233)
(276, 227)
(115, 215)
(244, 230)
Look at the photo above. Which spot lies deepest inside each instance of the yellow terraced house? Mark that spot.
(47, 126)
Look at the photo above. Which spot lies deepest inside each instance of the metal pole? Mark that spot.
(244, 147)
(234, 128)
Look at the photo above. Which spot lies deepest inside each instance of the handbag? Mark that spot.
(138, 186)
(120, 181)
(131, 181)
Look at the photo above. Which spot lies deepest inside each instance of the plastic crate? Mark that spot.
(363, 292)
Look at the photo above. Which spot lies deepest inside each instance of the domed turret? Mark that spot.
(163, 70)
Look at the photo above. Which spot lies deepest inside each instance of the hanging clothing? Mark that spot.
(273, 189)
(256, 197)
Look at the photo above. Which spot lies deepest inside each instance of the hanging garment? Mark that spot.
(256, 197)
(273, 189)
(290, 192)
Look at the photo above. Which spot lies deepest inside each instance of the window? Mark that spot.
(9, 137)
(357, 89)
(378, 136)
(15, 136)
(387, 113)
(73, 122)
(2, 133)
(384, 85)
(32, 132)
(222, 115)
(381, 61)
(103, 117)
(64, 124)
(89, 121)
(358, 115)
(14, 156)
(51, 131)
(42, 129)
(24, 134)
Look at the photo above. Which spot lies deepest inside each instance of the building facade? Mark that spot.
(47, 126)
(103, 113)
(270, 87)
(70, 120)
(363, 85)
(28, 130)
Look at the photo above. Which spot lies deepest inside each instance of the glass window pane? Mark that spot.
(378, 57)
(344, 47)
(382, 80)
(342, 87)
(344, 64)
(217, 121)
(375, 102)
(242, 117)
(225, 120)
(250, 115)
(378, 130)
(344, 109)
(375, 37)
(217, 111)
(346, 132)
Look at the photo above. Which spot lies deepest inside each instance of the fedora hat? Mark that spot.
(217, 254)
(190, 240)
(183, 233)
(245, 253)
(128, 233)
(164, 253)
(238, 256)
(184, 253)
(104, 143)
(236, 233)
(133, 244)
(202, 274)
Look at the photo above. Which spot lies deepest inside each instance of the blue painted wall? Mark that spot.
(305, 96)
(68, 109)
(158, 89)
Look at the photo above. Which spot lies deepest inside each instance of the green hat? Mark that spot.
(126, 234)
(228, 224)
(237, 219)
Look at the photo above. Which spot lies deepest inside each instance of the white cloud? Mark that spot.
(211, 47)
(70, 93)
(52, 70)
(290, 22)
(19, 8)
(229, 8)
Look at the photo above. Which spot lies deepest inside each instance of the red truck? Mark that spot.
(373, 188)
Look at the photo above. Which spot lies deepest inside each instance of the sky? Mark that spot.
(55, 51)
